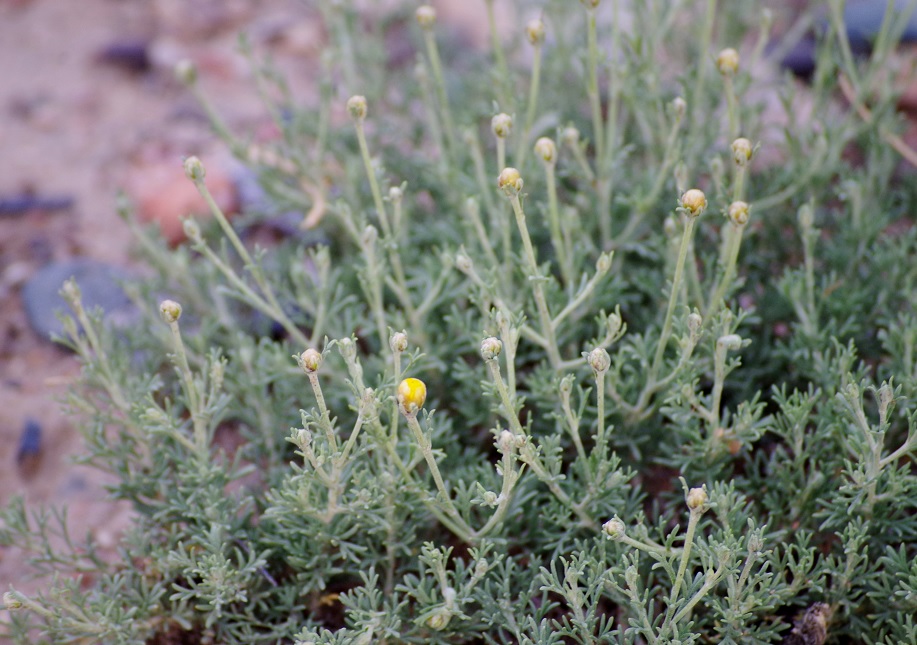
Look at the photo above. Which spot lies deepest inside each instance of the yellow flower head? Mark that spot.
(411, 395)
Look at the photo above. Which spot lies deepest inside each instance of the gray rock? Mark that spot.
(99, 283)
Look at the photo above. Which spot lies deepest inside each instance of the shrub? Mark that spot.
(575, 360)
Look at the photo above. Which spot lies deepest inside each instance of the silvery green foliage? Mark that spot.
(638, 421)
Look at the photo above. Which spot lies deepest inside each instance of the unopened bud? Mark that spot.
(727, 61)
(491, 348)
(426, 16)
(614, 528)
(696, 498)
(356, 107)
(738, 213)
(194, 169)
(694, 322)
(603, 263)
(534, 31)
(599, 360)
(186, 72)
(694, 202)
(546, 149)
(510, 181)
(369, 236)
(463, 263)
(506, 441)
(502, 125)
(191, 229)
(395, 194)
(731, 342)
(12, 601)
(742, 151)
(439, 619)
(571, 136)
(398, 342)
(170, 311)
(679, 106)
(310, 360)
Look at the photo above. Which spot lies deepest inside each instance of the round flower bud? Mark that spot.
(571, 136)
(347, 347)
(11, 601)
(490, 498)
(463, 263)
(370, 235)
(738, 213)
(502, 125)
(395, 194)
(694, 322)
(742, 151)
(546, 149)
(439, 618)
(356, 107)
(186, 72)
(170, 311)
(491, 348)
(614, 323)
(191, 229)
(510, 181)
(303, 438)
(534, 31)
(411, 395)
(398, 342)
(696, 498)
(566, 384)
(603, 263)
(694, 202)
(679, 106)
(732, 342)
(310, 360)
(614, 528)
(426, 16)
(506, 441)
(194, 169)
(599, 360)
(670, 227)
(727, 61)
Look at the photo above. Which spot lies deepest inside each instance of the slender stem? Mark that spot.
(427, 450)
(440, 83)
(522, 147)
(557, 238)
(547, 329)
(499, 58)
(673, 299)
(693, 518)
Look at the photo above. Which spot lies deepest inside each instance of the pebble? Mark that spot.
(99, 283)
(28, 455)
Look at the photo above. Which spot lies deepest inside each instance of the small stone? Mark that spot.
(100, 285)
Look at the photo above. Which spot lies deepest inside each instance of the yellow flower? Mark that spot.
(411, 395)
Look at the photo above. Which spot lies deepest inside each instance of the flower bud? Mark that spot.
(463, 263)
(731, 342)
(571, 136)
(806, 217)
(510, 181)
(169, 311)
(186, 72)
(679, 106)
(696, 498)
(506, 441)
(694, 202)
(727, 61)
(491, 348)
(546, 149)
(411, 395)
(614, 528)
(303, 438)
(356, 107)
(742, 151)
(191, 229)
(12, 601)
(490, 498)
(194, 169)
(439, 619)
(369, 236)
(566, 385)
(347, 348)
(502, 125)
(426, 16)
(398, 342)
(738, 213)
(395, 194)
(310, 360)
(603, 263)
(534, 31)
(599, 360)
(480, 568)
(614, 323)
(694, 322)
(670, 227)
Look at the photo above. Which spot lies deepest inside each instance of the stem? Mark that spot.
(522, 147)
(499, 57)
(693, 518)
(673, 298)
(557, 238)
(440, 83)
(547, 329)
